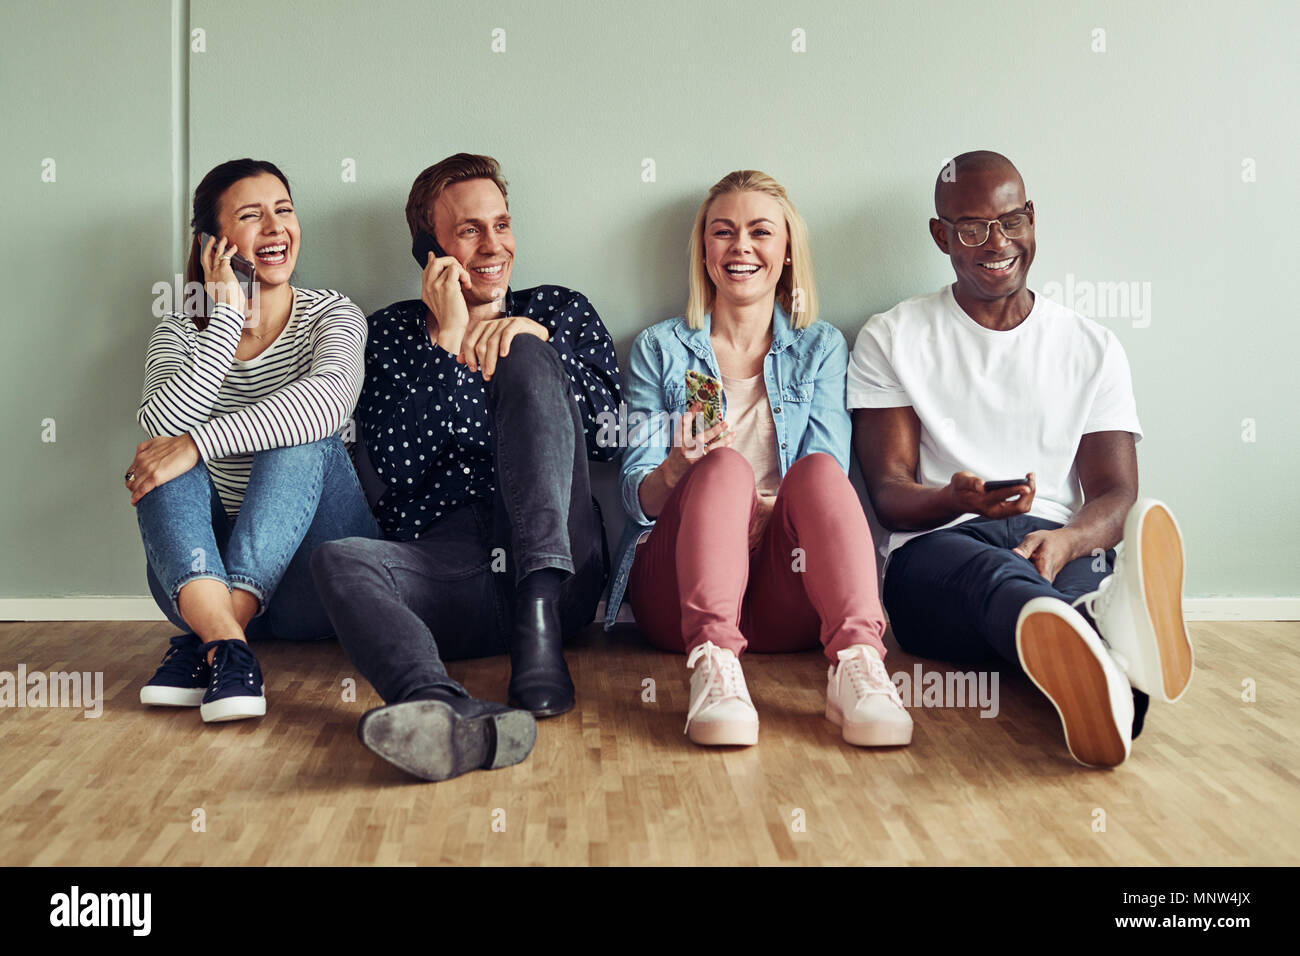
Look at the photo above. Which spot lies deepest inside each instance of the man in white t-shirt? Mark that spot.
(996, 433)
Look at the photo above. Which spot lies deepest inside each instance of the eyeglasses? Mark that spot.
(975, 232)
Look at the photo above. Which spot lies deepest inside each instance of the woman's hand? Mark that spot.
(219, 278)
(762, 514)
(688, 449)
(490, 340)
(159, 460)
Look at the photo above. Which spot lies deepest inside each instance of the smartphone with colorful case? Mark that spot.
(704, 388)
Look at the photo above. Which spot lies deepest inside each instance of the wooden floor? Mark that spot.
(1212, 780)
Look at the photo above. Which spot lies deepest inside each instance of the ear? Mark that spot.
(939, 233)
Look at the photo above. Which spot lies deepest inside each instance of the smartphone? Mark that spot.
(422, 245)
(1007, 483)
(704, 388)
(245, 271)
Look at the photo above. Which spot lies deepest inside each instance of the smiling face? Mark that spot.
(1000, 267)
(256, 214)
(472, 224)
(745, 246)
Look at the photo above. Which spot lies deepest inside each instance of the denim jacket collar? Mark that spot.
(697, 340)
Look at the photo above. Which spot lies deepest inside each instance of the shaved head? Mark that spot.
(980, 164)
(973, 190)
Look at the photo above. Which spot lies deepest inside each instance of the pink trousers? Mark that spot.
(811, 578)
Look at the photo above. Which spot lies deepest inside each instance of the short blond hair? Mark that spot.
(798, 275)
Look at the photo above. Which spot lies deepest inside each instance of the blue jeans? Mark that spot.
(298, 497)
(956, 594)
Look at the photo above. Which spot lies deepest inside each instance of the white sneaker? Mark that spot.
(720, 711)
(1068, 662)
(862, 700)
(1139, 608)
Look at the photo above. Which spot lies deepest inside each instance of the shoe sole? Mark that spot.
(870, 735)
(545, 712)
(1161, 567)
(724, 733)
(429, 740)
(1063, 667)
(154, 695)
(233, 708)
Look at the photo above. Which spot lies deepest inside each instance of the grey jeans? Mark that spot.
(402, 608)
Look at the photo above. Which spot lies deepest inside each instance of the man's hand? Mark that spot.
(442, 289)
(490, 340)
(1048, 550)
(762, 514)
(968, 495)
(158, 461)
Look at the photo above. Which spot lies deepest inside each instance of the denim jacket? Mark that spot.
(805, 375)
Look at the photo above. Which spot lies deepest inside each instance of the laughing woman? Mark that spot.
(245, 474)
(749, 534)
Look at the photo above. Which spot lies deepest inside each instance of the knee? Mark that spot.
(332, 558)
(528, 360)
(817, 468)
(192, 485)
(290, 455)
(723, 468)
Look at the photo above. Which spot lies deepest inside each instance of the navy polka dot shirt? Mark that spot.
(424, 416)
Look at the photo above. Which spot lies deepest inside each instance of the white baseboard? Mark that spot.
(1194, 609)
(144, 609)
(80, 609)
(1242, 609)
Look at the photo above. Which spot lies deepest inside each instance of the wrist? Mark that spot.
(949, 500)
(1078, 544)
(668, 473)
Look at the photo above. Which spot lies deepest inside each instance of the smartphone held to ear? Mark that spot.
(422, 245)
(245, 271)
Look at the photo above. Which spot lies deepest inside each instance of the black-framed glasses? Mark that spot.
(975, 232)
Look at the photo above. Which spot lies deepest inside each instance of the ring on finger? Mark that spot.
(130, 476)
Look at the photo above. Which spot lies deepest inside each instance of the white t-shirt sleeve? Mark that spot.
(1114, 408)
(872, 381)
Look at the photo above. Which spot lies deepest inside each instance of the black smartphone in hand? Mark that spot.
(1007, 483)
(244, 269)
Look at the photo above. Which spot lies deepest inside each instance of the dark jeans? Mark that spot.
(955, 594)
(400, 608)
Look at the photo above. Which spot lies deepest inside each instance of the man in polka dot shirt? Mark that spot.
(479, 414)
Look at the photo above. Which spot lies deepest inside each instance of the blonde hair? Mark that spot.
(796, 276)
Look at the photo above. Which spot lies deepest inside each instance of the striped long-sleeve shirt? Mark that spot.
(302, 388)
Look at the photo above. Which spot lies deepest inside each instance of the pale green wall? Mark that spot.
(1132, 156)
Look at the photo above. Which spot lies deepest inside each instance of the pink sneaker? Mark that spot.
(721, 712)
(861, 699)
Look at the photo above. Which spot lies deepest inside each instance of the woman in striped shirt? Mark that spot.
(245, 474)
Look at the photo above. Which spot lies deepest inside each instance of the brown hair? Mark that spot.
(207, 197)
(429, 185)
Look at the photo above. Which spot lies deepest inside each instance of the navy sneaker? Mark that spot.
(183, 676)
(235, 690)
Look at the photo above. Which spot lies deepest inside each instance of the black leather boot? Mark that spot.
(539, 677)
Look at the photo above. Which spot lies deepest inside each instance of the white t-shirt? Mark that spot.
(999, 404)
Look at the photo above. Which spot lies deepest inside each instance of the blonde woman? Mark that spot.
(748, 534)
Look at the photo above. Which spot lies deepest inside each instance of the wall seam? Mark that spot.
(180, 122)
